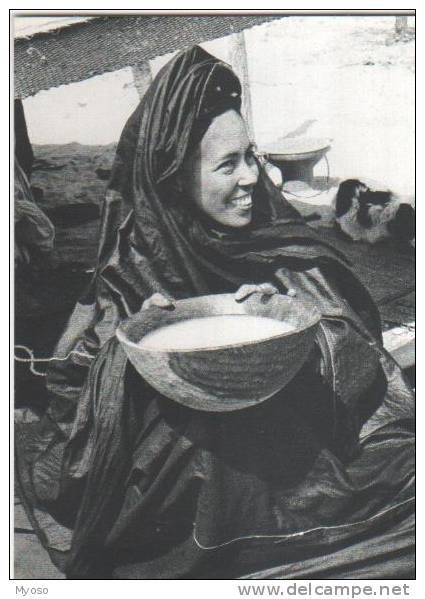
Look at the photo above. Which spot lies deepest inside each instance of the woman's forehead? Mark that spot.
(226, 135)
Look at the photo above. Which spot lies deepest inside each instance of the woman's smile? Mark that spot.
(242, 202)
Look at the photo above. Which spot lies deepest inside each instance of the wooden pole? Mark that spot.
(400, 25)
(239, 62)
(142, 76)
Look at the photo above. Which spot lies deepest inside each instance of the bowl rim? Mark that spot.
(315, 318)
(322, 144)
(297, 157)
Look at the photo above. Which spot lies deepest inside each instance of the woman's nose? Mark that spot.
(248, 175)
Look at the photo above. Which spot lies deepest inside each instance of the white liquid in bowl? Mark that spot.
(213, 331)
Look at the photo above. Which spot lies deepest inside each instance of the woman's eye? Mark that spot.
(227, 167)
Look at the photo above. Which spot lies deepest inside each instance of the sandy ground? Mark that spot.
(31, 560)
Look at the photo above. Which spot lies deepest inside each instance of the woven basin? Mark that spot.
(226, 378)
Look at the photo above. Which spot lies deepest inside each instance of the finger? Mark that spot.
(267, 289)
(159, 300)
(244, 291)
(162, 301)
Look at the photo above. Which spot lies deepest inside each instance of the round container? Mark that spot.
(297, 156)
(225, 378)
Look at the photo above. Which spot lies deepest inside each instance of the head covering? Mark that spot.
(222, 92)
(186, 94)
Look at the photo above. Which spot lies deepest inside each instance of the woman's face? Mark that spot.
(222, 172)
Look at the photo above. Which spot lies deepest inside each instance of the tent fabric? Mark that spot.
(87, 48)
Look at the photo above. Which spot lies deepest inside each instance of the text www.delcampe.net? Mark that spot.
(323, 590)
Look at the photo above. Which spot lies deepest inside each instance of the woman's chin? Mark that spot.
(238, 219)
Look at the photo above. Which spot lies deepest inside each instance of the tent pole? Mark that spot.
(142, 76)
(239, 62)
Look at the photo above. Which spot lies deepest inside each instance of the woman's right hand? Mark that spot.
(160, 300)
(264, 288)
(249, 288)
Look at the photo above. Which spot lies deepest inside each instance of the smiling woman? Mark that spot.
(120, 481)
(220, 175)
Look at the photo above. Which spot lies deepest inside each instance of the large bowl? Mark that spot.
(222, 379)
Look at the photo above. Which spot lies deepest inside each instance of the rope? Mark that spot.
(32, 359)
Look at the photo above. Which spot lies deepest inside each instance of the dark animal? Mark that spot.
(366, 215)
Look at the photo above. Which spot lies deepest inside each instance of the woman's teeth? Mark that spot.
(243, 202)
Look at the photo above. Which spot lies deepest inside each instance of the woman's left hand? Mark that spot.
(248, 289)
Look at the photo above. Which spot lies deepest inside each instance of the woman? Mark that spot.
(315, 482)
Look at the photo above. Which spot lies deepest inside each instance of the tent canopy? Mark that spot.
(86, 48)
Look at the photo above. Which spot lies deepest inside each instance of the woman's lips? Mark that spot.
(242, 202)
